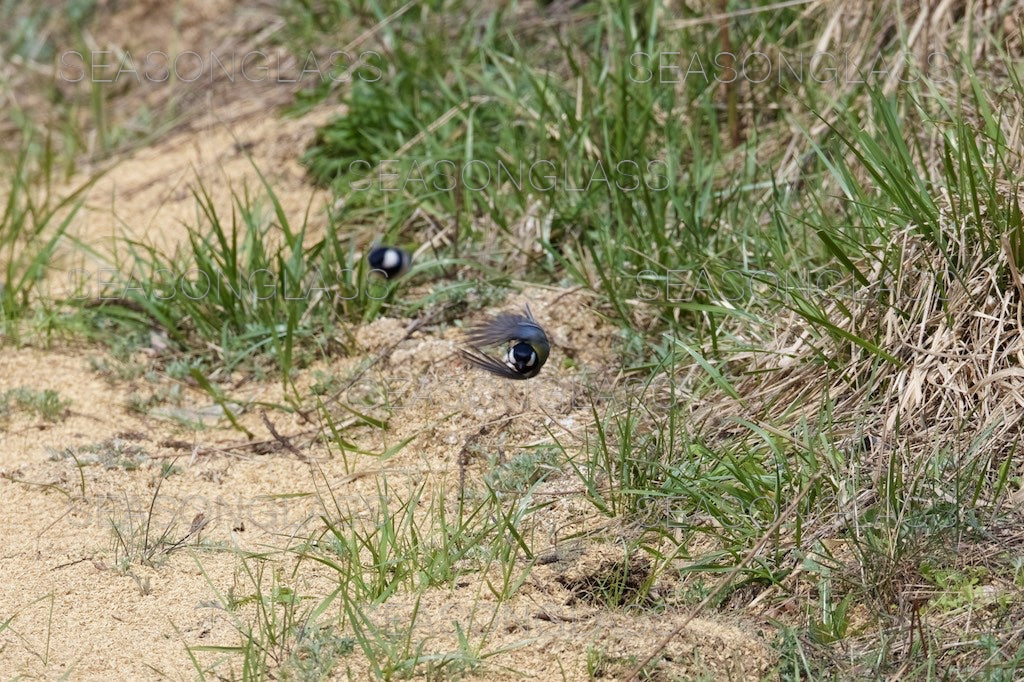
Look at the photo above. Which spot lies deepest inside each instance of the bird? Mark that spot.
(528, 345)
(389, 261)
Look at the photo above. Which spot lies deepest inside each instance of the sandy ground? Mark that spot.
(82, 497)
(78, 609)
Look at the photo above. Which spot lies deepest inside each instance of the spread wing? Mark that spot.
(489, 364)
(506, 327)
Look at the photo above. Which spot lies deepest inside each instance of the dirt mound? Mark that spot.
(86, 503)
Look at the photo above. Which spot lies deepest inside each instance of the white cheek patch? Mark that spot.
(390, 260)
(533, 360)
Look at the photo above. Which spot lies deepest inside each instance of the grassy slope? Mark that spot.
(816, 280)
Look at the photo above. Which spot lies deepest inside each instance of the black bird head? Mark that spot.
(389, 261)
(528, 345)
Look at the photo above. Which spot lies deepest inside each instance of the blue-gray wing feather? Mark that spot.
(489, 364)
(506, 327)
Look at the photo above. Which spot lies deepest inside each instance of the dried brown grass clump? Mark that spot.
(939, 427)
(938, 44)
(952, 320)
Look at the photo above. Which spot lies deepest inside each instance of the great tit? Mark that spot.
(528, 345)
(389, 261)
